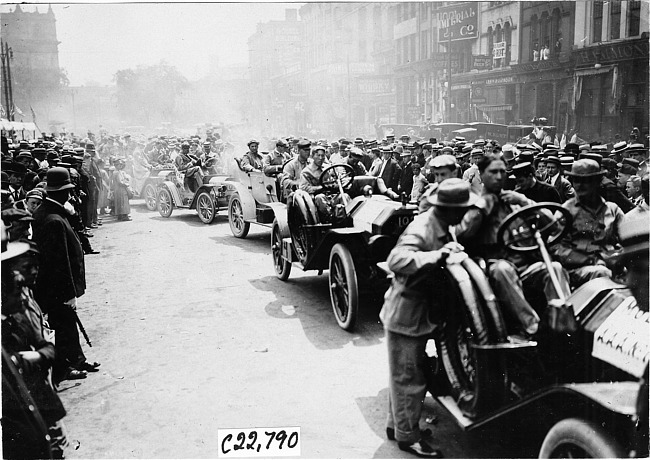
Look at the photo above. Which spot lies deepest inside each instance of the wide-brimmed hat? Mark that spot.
(585, 168)
(453, 193)
(58, 179)
(619, 147)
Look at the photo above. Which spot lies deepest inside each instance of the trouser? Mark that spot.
(581, 275)
(325, 203)
(91, 203)
(407, 384)
(67, 347)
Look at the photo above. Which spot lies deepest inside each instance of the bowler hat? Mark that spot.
(453, 193)
(58, 179)
(585, 168)
(608, 163)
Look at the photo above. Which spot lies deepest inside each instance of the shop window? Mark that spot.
(597, 22)
(614, 20)
(634, 18)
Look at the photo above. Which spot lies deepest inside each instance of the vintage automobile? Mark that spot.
(211, 196)
(149, 189)
(581, 385)
(362, 233)
(255, 197)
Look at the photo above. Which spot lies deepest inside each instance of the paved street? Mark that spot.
(195, 333)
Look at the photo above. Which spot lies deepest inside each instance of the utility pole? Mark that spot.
(7, 54)
(449, 76)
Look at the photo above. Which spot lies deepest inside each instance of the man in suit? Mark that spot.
(531, 188)
(557, 180)
(390, 171)
(61, 279)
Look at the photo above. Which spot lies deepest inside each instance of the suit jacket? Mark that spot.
(564, 188)
(391, 174)
(541, 192)
(610, 192)
(62, 275)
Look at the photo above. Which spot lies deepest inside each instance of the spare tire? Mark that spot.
(300, 212)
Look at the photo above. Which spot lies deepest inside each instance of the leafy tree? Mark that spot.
(147, 95)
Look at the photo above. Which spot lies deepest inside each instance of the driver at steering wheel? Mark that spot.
(507, 273)
(310, 183)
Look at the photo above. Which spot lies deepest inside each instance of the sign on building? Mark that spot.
(374, 85)
(499, 50)
(481, 62)
(459, 22)
(441, 61)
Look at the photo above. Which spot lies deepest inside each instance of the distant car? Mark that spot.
(254, 199)
(362, 235)
(208, 199)
(149, 189)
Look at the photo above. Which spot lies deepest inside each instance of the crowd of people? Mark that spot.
(57, 190)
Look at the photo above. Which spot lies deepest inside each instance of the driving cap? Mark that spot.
(356, 153)
(316, 148)
(453, 193)
(35, 193)
(252, 141)
(443, 161)
(11, 215)
(281, 143)
(608, 163)
(304, 144)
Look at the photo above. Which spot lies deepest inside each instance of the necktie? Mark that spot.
(383, 165)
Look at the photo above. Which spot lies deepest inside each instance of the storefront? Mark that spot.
(610, 90)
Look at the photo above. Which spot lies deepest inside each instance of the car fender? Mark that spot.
(204, 188)
(280, 212)
(246, 198)
(173, 190)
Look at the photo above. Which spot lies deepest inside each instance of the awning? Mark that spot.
(464, 131)
(593, 71)
(495, 108)
(17, 125)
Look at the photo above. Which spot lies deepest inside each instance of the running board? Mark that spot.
(449, 404)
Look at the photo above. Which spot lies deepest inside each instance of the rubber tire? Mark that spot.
(300, 212)
(212, 207)
(164, 194)
(466, 313)
(341, 253)
(584, 435)
(497, 327)
(283, 268)
(243, 231)
(151, 205)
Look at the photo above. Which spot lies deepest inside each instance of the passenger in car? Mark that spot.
(595, 229)
(290, 180)
(273, 161)
(252, 161)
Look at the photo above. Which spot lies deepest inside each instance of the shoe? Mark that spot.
(92, 252)
(390, 433)
(87, 234)
(420, 449)
(99, 223)
(89, 367)
(75, 374)
(94, 226)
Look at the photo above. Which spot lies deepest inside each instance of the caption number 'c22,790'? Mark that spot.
(259, 442)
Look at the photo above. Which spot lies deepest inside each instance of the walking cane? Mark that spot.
(82, 329)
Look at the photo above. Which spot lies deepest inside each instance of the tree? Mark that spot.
(147, 95)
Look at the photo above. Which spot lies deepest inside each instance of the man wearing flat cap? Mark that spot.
(533, 189)
(290, 179)
(556, 179)
(273, 162)
(61, 279)
(594, 232)
(410, 313)
(252, 161)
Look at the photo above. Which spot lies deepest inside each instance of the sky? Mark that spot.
(99, 39)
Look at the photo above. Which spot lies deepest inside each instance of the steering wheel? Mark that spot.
(328, 179)
(517, 231)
